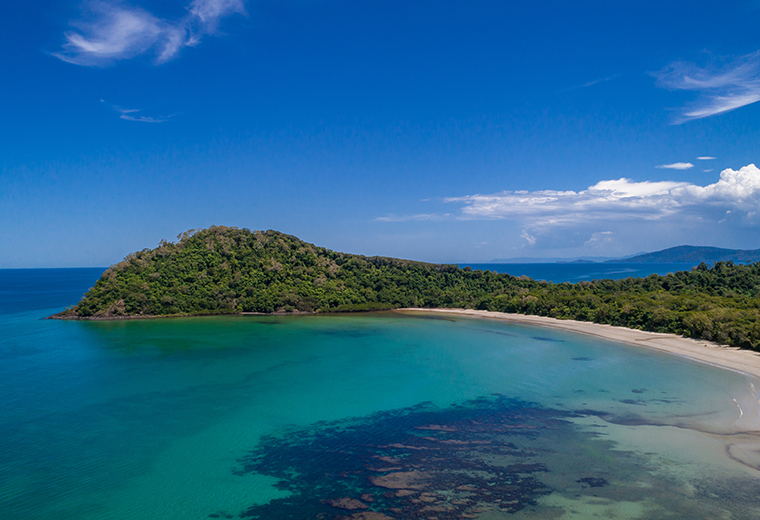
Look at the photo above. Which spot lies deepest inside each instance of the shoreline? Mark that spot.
(64, 317)
(741, 436)
(739, 360)
(736, 359)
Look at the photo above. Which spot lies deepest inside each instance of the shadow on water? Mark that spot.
(551, 340)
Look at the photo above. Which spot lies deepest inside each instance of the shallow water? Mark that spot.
(408, 417)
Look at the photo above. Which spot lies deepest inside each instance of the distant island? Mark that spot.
(226, 270)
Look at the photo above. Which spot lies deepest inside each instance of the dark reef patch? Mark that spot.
(636, 402)
(594, 482)
(414, 463)
(492, 457)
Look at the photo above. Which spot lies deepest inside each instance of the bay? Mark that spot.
(285, 416)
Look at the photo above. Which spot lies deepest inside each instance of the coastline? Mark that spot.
(741, 437)
(730, 358)
(62, 316)
(723, 356)
(738, 435)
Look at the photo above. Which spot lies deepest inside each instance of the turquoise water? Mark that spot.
(407, 416)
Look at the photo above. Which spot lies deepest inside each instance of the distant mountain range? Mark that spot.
(678, 254)
(695, 254)
(551, 260)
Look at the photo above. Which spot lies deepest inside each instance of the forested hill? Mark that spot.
(696, 254)
(224, 270)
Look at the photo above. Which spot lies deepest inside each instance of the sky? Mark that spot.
(442, 131)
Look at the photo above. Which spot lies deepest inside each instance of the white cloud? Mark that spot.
(705, 158)
(613, 217)
(676, 166)
(721, 88)
(741, 188)
(621, 199)
(114, 31)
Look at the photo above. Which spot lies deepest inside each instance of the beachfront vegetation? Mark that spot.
(224, 270)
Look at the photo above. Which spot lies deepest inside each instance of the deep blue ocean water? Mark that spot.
(23, 290)
(583, 272)
(409, 416)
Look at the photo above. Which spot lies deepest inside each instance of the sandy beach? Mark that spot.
(731, 358)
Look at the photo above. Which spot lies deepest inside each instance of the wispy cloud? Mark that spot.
(602, 80)
(593, 82)
(721, 88)
(621, 199)
(111, 31)
(705, 158)
(142, 119)
(133, 114)
(676, 166)
(528, 237)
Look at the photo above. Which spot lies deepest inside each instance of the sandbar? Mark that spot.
(731, 358)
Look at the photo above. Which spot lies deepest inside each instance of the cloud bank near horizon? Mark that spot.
(112, 31)
(621, 199)
(721, 88)
(612, 215)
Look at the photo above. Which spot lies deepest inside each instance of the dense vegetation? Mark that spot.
(230, 270)
(224, 270)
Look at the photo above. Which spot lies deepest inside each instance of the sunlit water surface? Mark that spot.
(362, 416)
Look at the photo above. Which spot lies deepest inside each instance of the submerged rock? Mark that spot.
(346, 503)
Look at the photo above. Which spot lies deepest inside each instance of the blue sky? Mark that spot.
(433, 130)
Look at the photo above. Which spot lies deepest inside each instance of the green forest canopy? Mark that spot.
(223, 270)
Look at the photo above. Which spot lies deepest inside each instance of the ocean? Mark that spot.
(581, 272)
(362, 417)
